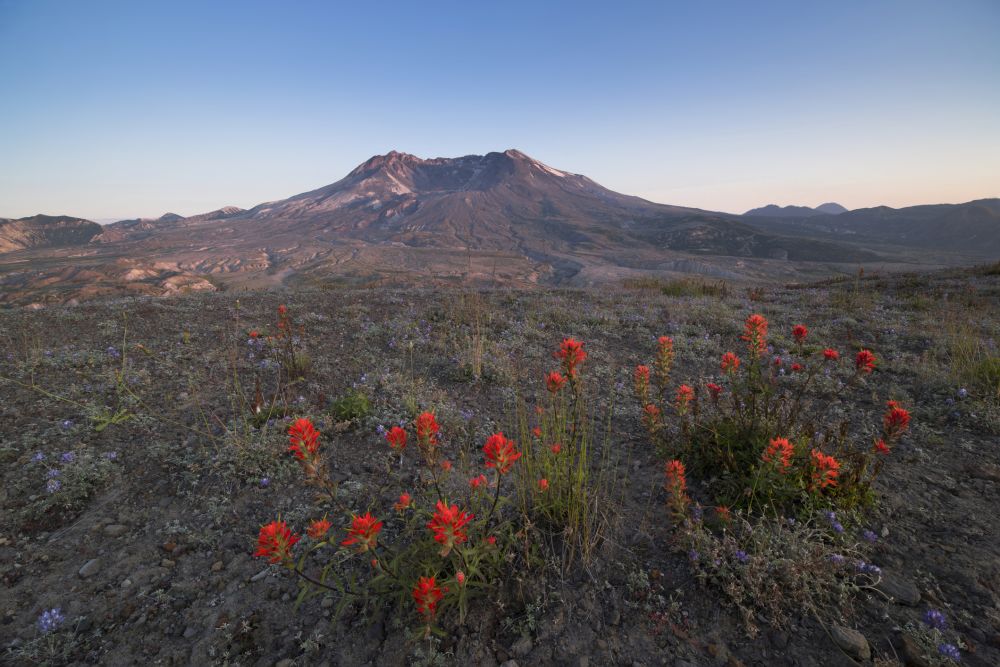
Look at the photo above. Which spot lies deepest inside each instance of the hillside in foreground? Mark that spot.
(140, 461)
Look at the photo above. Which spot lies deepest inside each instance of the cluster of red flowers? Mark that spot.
(825, 470)
(572, 354)
(730, 363)
(447, 524)
(501, 453)
(426, 595)
(275, 542)
(363, 533)
(895, 420)
(714, 391)
(404, 503)
(554, 381)
(799, 333)
(303, 439)
(755, 334)
(651, 416)
(780, 450)
(831, 354)
(864, 362)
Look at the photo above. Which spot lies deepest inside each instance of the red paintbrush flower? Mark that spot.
(664, 361)
(714, 390)
(755, 334)
(447, 525)
(318, 528)
(303, 439)
(572, 354)
(405, 502)
(543, 485)
(779, 450)
(556, 448)
(730, 362)
(799, 333)
(831, 354)
(396, 437)
(796, 367)
(825, 470)
(426, 595)
(478, 482)
(651, 417)
(460, 578)
(554, 381)
(677, 488)
(641, 376)
(864, 362)
(895, 420)
(363, 533)
(275, 542)
(537, 432)
(881, 447)
(427, 430)
(685, 395)
(501, 453)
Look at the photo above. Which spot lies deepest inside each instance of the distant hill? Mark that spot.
(972, 228)
(45, 231)
(774, 211)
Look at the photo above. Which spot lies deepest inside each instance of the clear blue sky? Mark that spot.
(121, 109)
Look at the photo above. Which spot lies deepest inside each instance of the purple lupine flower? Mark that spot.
(50, 620)
(694, 555)
(113, 353)
(68, 457)
(53, 472)
(962, 393)
(53, 485)
(67, 424)
(836, 559)
(111, 456)
(868, 568)
(950, 651)
(265, 482)
(380, 430)
(935, 619)
(742, 556)
(38, 457)
(869, 536)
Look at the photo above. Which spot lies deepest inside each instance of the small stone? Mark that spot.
(115, 530)
(509, 663)
(911, 653)
(90, 568)
(851, 642)
(260, 575)
(217, 566)
(166, 562)
(583, 661)
(327, 602)
(190, 631)
(287, 662)
(522, 647)
(903, 591)
(126, 583)
(169, 546)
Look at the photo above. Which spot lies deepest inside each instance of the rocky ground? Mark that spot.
(132, 507)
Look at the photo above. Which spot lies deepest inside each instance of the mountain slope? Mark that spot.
(45, 231)
(774, 211)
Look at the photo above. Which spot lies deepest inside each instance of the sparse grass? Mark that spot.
(679, 287)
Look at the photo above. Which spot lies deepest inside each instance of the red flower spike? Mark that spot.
(460, 578)
(714, 390)
(396, 437)
(572, 354)
(303, 439)
(799, 333)
(864, 362)
(318, 528)
(275, 542)
(755, 334)
(447, 525)
(881, 447)
(501, 453)
(642, 382)
(685, 395)
(895, 420)
(537, 432)
(730, 362)
(555, 381)
(556, 448)
(478, 482)
(426, 595)
(796, 368)
(781, 451)
(825, 470)
(543, 485)
(830, 354)
(427, 430)
(664, 360)
(363, 533)
(404, 503)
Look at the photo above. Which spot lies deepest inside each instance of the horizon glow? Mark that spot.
(117, 110)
